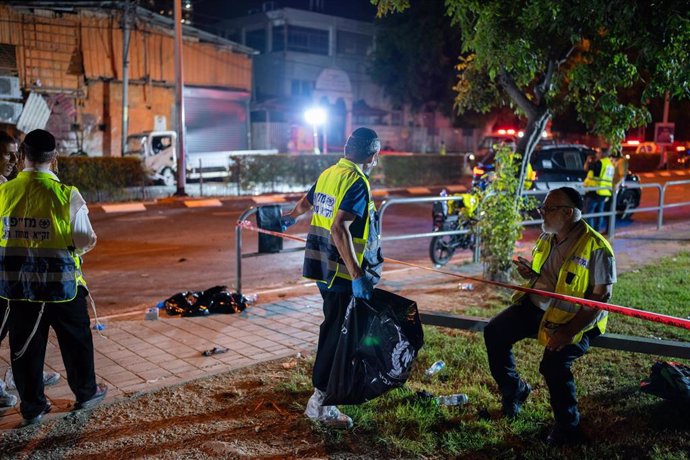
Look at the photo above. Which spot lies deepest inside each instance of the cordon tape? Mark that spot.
(627, 311)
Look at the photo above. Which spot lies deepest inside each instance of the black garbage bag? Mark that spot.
(201, 303)
(378, 343)
(228, 302)
(668, 380)
(186, 304)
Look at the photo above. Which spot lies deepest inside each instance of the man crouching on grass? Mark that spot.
(569, 258)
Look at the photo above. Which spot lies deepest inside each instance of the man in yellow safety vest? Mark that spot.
(44, 230)
(569, 258)
(342, 253)
(600, 172)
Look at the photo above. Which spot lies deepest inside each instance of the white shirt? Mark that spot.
(83, 236)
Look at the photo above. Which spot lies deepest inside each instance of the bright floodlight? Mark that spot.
(316, 116)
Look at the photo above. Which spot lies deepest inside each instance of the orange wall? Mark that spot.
(54, 48)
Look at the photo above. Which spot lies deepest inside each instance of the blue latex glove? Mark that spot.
(287, 222)
(362, 288)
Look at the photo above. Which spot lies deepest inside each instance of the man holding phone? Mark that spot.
(569, 258)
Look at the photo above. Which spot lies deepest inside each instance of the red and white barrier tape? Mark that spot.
(627, 311)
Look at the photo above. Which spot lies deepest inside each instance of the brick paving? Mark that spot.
(142, 356)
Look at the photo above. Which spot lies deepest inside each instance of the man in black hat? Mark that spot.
(569, 258)
(342, 253)
(45, 230)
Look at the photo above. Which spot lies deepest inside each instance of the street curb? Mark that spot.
(238, 203)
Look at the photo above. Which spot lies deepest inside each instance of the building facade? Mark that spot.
(308, 58)
(68, 61)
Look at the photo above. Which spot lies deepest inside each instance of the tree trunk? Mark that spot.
(535, 127)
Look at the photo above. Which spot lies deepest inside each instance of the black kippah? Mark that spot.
(362, 144)
(40, 140)
(574, 197)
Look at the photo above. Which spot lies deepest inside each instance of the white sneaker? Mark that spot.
(326, 415)
(332, 417)
(49, 378)
(7, 400)
(314, 409)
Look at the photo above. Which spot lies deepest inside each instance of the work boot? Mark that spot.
(513, 406)
(326, 415)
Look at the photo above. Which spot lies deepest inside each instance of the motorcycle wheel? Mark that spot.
(441, 249)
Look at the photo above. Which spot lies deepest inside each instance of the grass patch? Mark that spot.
(621, 421)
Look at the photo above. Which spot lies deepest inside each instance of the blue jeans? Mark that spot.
(596, 203)
(517, 322)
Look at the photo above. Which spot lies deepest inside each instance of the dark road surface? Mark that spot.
(144, 257)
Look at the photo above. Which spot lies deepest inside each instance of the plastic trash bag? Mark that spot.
(378, 343)
(185, 304)
(668, 380)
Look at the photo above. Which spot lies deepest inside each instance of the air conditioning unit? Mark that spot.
(9, 88)
(9, 112)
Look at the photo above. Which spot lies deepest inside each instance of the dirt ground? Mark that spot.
(242, 414)
(255, 412)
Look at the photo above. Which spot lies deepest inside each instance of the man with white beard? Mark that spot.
(568, 258)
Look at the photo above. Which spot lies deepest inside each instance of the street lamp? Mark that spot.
(316, 116)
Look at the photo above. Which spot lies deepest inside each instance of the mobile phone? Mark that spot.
(525, 262)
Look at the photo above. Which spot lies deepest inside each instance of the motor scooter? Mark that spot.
(442, 247)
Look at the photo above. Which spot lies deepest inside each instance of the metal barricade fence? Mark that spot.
(611, 214)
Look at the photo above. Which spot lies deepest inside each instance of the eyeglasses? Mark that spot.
(548, 209)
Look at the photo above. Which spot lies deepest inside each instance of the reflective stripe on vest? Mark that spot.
(322, 261)
(604, 179)
(36, 260)
(573, 280)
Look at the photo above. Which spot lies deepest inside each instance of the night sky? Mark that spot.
(210, 11)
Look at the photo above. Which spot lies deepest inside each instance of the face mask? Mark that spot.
(368, 168)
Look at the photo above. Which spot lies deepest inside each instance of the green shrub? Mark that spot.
(101, 178)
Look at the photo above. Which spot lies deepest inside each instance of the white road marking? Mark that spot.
(203, 203)
(269, 199)
(125, 207)
(419, 190)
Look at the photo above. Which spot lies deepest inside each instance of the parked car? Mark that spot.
(562, 165)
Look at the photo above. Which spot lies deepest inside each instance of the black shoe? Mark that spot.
(512, 407)
(36, 419)
(560, 436)
(101, 391)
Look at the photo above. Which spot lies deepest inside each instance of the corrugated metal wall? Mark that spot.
(152, 55)
(46, 46)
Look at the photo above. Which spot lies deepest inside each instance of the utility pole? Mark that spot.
(126, 33)
(179, 103)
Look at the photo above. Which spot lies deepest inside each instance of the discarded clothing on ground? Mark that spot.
(201, 303)
(668, 380)
(378, 343)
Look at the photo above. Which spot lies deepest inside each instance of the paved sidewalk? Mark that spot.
(141, 356)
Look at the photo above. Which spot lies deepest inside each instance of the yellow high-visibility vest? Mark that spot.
(603, 179)
(573, 280)
(322, 262)
(36, 247)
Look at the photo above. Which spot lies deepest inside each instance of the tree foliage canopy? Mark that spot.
(542, 55)
(415, 57)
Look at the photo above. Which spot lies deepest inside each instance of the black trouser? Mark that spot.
(70, 321)
(334, 309)
(595, 203)
(518, 322)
